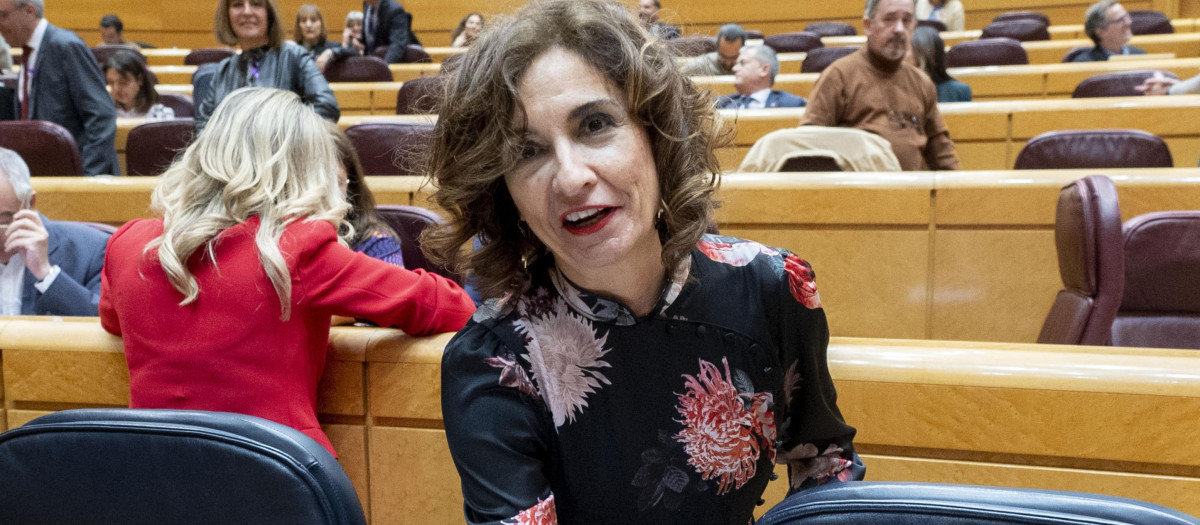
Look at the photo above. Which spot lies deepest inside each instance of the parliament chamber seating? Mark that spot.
(408, 222)
(990, 52)
(211, 55)
(153, 145)
(753, 34)
(358, 69)
(391, 148)
(420, 95)
(831, 29)
(1118, 84)
(1072, 54)
(1094, 148)
(103, 51)
(415, 54)
(48, 148)
(118, 466)
(1022, 15)
(936, 24)
(1150, 22)
(1087, 237)
(1161, 304)
(818, 59)
(1024, 30)
(181, 104)
(796, 42)
(880, 503)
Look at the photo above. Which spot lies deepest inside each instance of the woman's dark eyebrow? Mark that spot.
(588, 107)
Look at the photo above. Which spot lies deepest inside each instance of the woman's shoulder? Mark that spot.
(769, 266)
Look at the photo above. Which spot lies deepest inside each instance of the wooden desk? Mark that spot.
(406, 72)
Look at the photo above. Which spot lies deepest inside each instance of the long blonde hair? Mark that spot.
(264, 153)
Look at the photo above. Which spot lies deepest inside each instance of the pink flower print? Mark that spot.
(734, 254)
(511, 373)
(802, 282)
(764, 422)
(805, 463)
(718, 434)
(541, 514)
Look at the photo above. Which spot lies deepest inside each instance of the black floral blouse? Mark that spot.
(562, 405)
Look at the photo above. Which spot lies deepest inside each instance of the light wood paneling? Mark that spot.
(413, 478)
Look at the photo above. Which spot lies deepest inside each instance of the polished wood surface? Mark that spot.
(1107, 420)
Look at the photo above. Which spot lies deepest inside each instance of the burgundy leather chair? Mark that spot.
(986, 52)
(207, 56)
(391, 148)
(181, 104)
(936, 24)
(797, 42)
(1161, 303)
(692, 46)
(415, 54)
(818, 59)
(1119, 84)
(152, 146)
(358, 69)
(48, 148)
(450, 63)
(408, 222)
(103, 51)
(1022, 15)
(420, 95)
(1094, 148)
(831, 29)
(1021, 30)
(1070, 56)
(753, 34)
(1150, 23)
(1087, 234)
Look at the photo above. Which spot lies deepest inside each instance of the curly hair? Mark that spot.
(476, 142)
(133, 64)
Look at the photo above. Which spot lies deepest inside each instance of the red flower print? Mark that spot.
(802, 281)
(541, 514)
(719, 434)
(734, 254)
(806, 463)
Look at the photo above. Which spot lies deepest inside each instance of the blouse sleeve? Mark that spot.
(315, 90)
(498, 431)
(351, 284)
(816, 443)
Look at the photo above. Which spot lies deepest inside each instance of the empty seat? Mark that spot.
(1021, 30)
(1094, 148)
(1150, 23)
(48, 148)
(181, 104)
(882, 503)
(103, 51)
(987, 52)
(1119, 84)
(818, 59)
(692, 46)
(1087, 235)
(810, 148)
(391, 148)
(209, 55)
(408, 222)
(420, 95)
(416, 54)
(797, 42)
(152, 146)
(1161, 303)
(830, 29)
(358, 69)
(1022, 15)
(936, 24)
(115, 466)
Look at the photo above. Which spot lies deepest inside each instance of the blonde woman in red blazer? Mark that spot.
(224, 303)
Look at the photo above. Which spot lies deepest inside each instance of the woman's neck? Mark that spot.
(247, 45)
(637, 282)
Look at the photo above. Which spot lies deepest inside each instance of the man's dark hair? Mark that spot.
(731, 32)
(112, 21)
(657, 4)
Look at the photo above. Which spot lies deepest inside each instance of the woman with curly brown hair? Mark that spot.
(626, 367)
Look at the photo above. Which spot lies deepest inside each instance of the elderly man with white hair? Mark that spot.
(753, 77)
(46, 267)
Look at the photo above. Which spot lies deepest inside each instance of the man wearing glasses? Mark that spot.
(1110, 27)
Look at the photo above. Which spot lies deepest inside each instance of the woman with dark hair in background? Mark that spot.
(265, 60)
(930, 53)
(371, 235)
(467, 31)
(131, 85)
(626, 367)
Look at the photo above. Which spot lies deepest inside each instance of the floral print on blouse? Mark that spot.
(562, 404)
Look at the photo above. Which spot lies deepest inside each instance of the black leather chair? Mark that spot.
(831, 29)
(936, 24)
(1119, 84)
(1161, 303)
(1087, 235)
(797, 42)
(358, 69)
(1022, 30)
(46, 147)
(880, 503)
(408, 222)
(1150, 23)
(818, 59)
(987, 52)
(1094, 148)
(119, 466)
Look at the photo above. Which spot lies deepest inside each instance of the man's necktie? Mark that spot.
(369, 28)
(27, 78)
(746, 100)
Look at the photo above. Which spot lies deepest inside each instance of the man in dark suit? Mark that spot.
(61, 82)
(1110, 27)
(753, 75)
(46, 267)
(387, 25)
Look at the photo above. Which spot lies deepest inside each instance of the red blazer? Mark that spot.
(228, 351)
